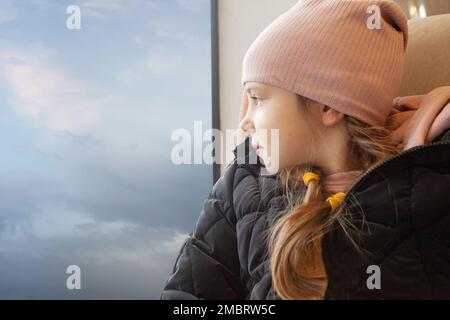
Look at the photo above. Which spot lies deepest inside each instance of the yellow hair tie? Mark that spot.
(336, 199)
(308, 176)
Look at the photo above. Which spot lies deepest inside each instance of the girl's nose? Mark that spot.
(246, 124)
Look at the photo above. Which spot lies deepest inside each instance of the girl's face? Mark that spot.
(285, 131)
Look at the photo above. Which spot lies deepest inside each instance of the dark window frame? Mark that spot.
(215, 89)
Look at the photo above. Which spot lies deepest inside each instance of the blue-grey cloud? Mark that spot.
(85, 121)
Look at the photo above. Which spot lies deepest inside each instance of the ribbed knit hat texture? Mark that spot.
(333, 52)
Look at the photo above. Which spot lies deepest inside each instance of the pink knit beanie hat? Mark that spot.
(346, 54)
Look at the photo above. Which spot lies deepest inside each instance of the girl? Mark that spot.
(356, 203)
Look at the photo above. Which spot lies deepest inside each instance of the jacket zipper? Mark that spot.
(399, 155)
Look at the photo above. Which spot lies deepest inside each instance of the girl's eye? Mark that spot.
(256, 99)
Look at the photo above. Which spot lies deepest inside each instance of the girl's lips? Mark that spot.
(256, 146)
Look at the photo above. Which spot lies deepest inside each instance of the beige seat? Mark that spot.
(427, 61)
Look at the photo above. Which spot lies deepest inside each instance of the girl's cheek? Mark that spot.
(264, 118)
(259, 116)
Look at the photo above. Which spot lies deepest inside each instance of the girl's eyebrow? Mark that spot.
(251, 88)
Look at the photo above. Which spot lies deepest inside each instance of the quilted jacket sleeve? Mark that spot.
(207, 266)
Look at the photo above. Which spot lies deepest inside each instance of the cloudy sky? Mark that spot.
(86, 118)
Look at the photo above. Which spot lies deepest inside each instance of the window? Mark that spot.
(90, 95)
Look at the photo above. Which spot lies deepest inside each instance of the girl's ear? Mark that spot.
(330, 116)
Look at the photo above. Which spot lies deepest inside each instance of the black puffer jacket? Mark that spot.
(404, 229)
